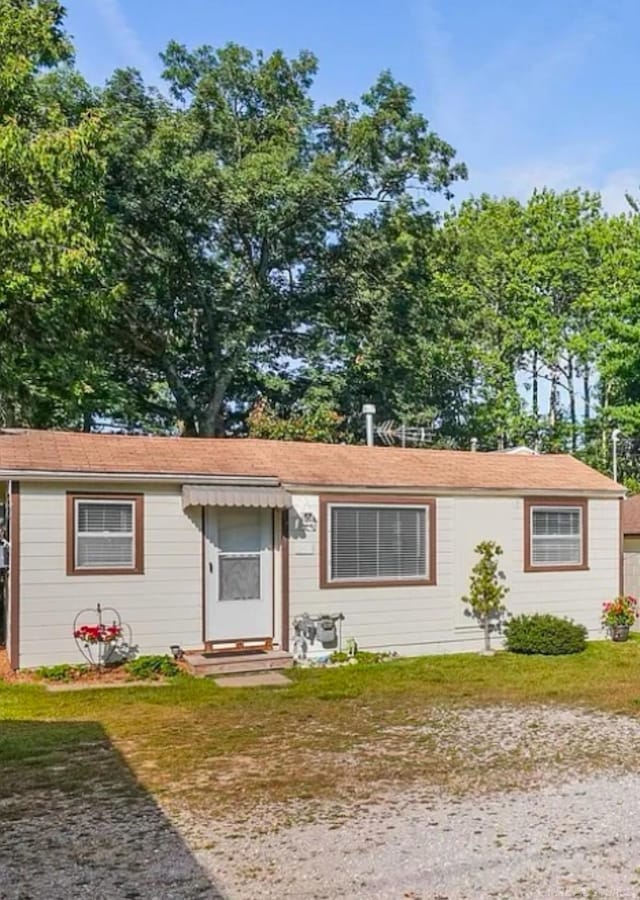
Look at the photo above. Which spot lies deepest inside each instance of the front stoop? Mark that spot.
(235, 663)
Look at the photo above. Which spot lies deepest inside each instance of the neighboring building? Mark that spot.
(225, 542)
(631, 544)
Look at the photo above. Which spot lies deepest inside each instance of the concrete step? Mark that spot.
(229, 663)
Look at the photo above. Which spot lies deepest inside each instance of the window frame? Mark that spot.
(329, 500)
(137, 501)
(532, 503)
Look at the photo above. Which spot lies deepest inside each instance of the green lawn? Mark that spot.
(192, 741)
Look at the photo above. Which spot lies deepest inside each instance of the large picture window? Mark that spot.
(556, 535)
(105, 534)
(377, 543)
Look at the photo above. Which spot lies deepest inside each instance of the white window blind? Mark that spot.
(371, 543)
(556, 536)
(105, 534)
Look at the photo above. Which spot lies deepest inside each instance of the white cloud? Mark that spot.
(127, 41)
(488, 103)
(562, 169)
(491, 109)
(615, 185)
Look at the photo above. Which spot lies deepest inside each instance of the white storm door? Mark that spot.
(239, 573)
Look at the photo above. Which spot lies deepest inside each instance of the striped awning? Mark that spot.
(233, 495)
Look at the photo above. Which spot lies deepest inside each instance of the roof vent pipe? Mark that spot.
(474, 444)
(369, 411)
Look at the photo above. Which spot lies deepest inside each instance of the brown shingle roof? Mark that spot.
(292, 462)
(631, 515)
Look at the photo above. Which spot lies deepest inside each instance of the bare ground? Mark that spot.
(507, 802)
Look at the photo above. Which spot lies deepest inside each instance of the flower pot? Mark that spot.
(619, 633)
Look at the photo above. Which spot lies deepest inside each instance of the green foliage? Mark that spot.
(487, 589)
(544, 634)
(319, 423)
(52, 225)
(228, 245)
(152, 667)
(229, 203)
(362, 657)
(61, 672)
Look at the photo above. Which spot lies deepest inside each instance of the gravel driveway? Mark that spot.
(573, 831)
(581, 839)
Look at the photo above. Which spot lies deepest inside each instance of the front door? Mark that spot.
(239, 573)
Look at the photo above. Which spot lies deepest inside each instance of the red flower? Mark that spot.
(96, 634)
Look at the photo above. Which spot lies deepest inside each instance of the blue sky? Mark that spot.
(530, 94)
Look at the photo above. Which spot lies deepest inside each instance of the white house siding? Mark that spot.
(414, 620)
(163, 606)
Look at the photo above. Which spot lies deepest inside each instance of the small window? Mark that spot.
(556, 535)
(105, 535)
(372, 544)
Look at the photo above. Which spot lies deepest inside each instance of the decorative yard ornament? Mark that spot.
(98, 642)
(487, 591)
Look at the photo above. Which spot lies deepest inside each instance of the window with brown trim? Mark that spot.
(105, 534)
(556, 534)
(375, 541)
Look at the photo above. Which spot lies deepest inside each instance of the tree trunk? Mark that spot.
(604, 402)
(571, 388)
(535, 404)
(554, 398)
(586, 392)
(487, 633)
(210, 422)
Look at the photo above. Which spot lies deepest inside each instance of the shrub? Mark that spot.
(362, 656)
(545, 634)
(487, 590)
(61, 672)
(152, 667)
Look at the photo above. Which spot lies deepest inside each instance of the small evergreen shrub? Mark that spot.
(487, 590)
(544, 634)
(152, 667)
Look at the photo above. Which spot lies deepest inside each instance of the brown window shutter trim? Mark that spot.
(286, 579)
(378, 500)
(138, 537)
(580, 502)
(13, 644)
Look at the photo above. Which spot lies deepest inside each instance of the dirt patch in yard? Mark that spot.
(460, 750)
(497, 802)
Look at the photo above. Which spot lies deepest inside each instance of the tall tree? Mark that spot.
(384, 334)
(51, 173)
(531, 278)
(223, 198)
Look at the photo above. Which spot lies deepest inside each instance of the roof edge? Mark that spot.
(172, 477)
(43, 475)
(615, 492)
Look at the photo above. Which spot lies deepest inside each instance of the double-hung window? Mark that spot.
(377, 543)
(105, 534)
(556, 535)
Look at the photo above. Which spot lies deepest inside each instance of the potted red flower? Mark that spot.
(619, 615)
(98, 634)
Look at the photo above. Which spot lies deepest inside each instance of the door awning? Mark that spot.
(232, 495)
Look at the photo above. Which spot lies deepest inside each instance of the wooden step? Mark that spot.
(233, 663)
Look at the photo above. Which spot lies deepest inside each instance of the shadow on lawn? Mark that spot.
(76, 823)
